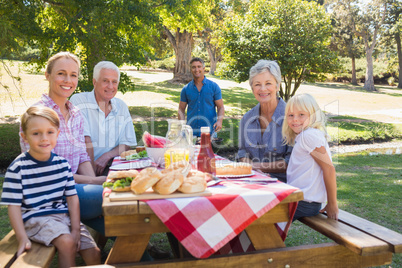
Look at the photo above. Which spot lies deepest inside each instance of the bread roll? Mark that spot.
(196, 182)
(127, 153)
(182, 166)
(114, 175)
(145, 180)
(238, 168)
(169, 183)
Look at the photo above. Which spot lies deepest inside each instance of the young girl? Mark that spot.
(39, 190)
(310, 167)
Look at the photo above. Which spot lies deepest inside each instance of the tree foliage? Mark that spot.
(366, 20)
(93, 29)
(294, 33)
(181, 21)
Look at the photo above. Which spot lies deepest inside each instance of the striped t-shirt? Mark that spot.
(38, 186)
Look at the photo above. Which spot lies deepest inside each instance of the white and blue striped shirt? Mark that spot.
(38, 186)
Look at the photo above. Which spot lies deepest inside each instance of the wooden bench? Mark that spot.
(38, 256)
(360, 236)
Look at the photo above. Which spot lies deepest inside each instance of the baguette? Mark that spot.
(238, 168)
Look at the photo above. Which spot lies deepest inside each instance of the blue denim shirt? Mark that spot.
(268, 147)
(201, 110)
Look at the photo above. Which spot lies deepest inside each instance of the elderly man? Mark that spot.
(204, 100)
(108, 128)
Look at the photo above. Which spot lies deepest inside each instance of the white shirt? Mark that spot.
(303, 171)
(106, 133)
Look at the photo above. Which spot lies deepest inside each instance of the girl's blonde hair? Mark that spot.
(41, 111)
(307, 103)
(60, 55)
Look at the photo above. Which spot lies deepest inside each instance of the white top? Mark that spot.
(303, 171)
(106, 133)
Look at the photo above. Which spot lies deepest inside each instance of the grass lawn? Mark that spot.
(368, 186)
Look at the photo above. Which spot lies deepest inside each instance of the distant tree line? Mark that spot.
(305, 37)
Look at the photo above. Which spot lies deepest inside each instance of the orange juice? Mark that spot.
(175, 155)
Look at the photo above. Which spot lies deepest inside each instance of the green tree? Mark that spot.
(96, 30)
(366, 20)
(393, 32)
(344, 41)
(181, 21)
(294, 33)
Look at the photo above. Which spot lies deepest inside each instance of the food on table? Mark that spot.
(237, 168)
(182, 166)
(153, 141)
(195, 182)
(132, 154)
(145, 180)
(127, 153)
(140, 149)
(120, 181)
(170, 182)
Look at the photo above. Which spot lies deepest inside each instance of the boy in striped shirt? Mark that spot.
(39, 190)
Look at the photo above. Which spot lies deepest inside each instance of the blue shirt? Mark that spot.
(38, 186)
(201, 111)
(268, 147)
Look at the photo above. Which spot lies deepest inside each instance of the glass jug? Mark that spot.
(179, 144)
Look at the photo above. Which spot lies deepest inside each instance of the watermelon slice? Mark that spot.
(153, 141)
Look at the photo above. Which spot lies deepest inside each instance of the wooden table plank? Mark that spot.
(328, 255)
(128, 249)
(373, 229)
(357, 241)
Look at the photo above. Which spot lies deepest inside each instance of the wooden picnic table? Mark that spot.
(133, 223)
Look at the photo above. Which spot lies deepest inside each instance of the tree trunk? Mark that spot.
(354, 80)
(212, 58)
(182, 44)
(369, 83)
(398, 45)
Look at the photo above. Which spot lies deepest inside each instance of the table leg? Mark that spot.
(264, 236)
(128, 249)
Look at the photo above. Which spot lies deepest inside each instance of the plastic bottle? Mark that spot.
(206, 157)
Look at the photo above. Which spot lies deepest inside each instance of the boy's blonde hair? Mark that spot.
(307, 103)
(60, 55)
(42, 111)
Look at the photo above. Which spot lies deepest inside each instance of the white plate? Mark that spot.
(132, 165)
(236, 176)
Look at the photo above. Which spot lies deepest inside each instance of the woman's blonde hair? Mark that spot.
(41, 111)
(60, 55)
(307, 103)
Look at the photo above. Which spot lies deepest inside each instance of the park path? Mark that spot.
(372, 106)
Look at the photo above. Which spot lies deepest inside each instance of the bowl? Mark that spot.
(156, 155)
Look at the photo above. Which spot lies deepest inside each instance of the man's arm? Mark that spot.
(103, 160)
(182, 110)
(221, 115)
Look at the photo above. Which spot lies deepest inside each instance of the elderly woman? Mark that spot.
(260, 132)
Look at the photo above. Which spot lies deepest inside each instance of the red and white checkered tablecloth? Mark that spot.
(206, 224)
(215, 224)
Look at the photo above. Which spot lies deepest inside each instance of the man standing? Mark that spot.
(202, 96)
(108, 127)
